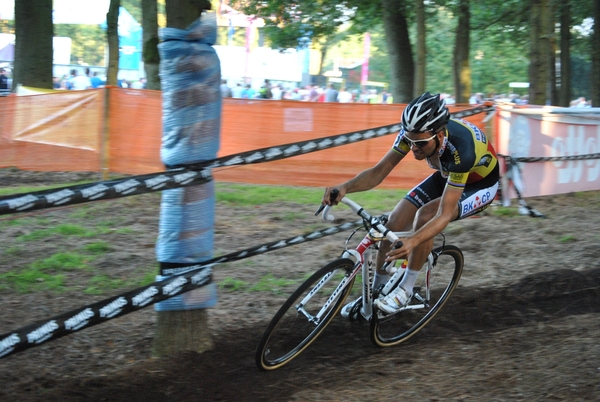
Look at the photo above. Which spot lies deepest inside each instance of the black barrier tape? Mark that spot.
(528, 159)
(188, 175)
(183, 280)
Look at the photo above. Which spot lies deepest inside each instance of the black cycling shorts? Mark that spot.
(475, 198)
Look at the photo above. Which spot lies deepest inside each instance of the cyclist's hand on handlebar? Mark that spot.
(400, 249)
(333, 195)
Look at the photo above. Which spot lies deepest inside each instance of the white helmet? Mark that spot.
(425, 113)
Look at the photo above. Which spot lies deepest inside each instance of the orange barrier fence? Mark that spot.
(119, 130)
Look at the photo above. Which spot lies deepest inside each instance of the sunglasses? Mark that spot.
(419, 143)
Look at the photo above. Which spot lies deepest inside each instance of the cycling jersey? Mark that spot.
(466, 155)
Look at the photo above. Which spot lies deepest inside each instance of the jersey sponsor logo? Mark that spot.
(476, 203)
(456, 157)
(479, 135)
(485, 160)
(454, 152)
(458, 178)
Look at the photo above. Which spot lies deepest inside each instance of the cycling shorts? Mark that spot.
(475, 198)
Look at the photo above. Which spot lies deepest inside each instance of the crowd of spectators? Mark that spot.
(77, 80)
(309, 93)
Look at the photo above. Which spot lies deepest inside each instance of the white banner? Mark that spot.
(551, 132)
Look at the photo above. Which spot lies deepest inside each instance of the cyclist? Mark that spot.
(465, 183)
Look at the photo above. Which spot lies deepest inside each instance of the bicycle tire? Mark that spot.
(444, 277)
(290, 332)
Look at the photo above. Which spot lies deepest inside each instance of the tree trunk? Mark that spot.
(595, 81)
(181, 330)
(112, 36)
(187, 329)
(421, 49)
(150, 40)
(462, 67)
(33, 43)
(402, 65)
(181, 13)
(540, 52)
(564, 98)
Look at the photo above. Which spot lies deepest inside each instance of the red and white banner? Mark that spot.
(545, 132)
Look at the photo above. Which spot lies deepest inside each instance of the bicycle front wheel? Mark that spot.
(443, 278)
(304, 315)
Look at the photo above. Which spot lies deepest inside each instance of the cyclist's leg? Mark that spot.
(412, 212)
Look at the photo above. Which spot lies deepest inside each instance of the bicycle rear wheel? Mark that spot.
(294, 327)
(444, 276)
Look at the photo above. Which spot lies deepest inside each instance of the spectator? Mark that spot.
(344, 96)
(265, 91)
(248, 92)
(225, 90)
(296, 95)
(277, 92)
(3, 80)
(384, 97)
(579, 102)
(450, 100)
(237, 91)
(137, 84)
(96, 81)
(313, 94)
(79, 82)
(331, 94)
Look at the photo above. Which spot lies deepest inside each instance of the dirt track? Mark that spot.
(522, 325)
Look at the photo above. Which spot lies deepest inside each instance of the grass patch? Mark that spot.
(98, 247)
(44, 274)
(14, 251)
(567, 239)
(65, 229)
(61, 262)
(31, 280)
(269, 283)
(246, 194)
(232, 284)
(503, 211)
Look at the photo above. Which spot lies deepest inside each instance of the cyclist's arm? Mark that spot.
(447, 211)
(367, 179)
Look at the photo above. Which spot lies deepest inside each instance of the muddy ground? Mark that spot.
(523, 325)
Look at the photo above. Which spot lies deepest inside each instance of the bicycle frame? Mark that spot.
(365, 256)
(313, 305)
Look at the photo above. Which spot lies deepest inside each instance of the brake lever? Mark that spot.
(332, 196)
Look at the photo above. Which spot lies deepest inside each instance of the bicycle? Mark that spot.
(306, 313)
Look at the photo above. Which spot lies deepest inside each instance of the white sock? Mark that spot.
(380, 279)
(408, 280)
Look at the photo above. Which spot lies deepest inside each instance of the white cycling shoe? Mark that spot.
(394, 301)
